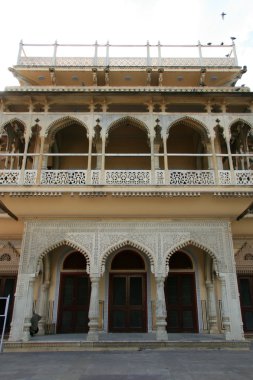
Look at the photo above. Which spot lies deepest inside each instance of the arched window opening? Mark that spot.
(75, 261)
(127, 260)
(12, 141)
(180, 260)
(241, 142)
(70, 139)
(129, 139)
(185, 139)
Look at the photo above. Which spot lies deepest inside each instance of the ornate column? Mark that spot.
(214, 159)
(22, 176)
(42, 307)
(40, 161)
(161, 314)
(89, 160)
(230, 160)
(225, 313)
(166, 174)
(103, 179)
(152, 159)
(28, 309)
(157, 143)
(94, 310)
(211, 307)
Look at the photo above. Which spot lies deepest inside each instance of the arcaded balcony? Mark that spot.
(127, 155)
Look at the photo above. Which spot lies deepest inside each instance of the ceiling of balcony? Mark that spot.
(127, 77)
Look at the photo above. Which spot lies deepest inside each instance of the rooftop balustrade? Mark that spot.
(148, 55)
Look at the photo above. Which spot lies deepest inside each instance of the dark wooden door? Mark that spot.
(246, 298)
(127, 303)
(7, 287)
(73, 303)
(180, 295)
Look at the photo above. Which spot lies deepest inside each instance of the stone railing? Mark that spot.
(126, 178)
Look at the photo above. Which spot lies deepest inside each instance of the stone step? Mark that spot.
(46, 346)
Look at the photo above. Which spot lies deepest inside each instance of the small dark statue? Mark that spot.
(34, 328)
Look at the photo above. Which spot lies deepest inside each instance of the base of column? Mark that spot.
(161, 333)
(26, 333)
(92, 336)
(213, 328)
(41, 326)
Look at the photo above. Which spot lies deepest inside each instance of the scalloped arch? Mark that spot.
(127, 120)
(61, 123)
(64, 242)
(127, 244)
(15, 119)
(240, 120)
(192, 122)
(185, 244)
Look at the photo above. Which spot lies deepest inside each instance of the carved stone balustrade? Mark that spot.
(126, 178)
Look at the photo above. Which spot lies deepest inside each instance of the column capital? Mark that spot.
(160, 278)
(94, 279)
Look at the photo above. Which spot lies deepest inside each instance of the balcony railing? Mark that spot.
(148, 55)
(125, 178)
(14, 171)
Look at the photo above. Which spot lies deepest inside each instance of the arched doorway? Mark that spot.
(180, 295)
(74, 298)
(127, 293)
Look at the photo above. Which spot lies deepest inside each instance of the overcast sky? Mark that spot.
(125, 21)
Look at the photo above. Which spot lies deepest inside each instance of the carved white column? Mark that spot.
(94, 310)
(225, 311)
(103, 159)
(214, 159)
(89, 160)
(28, 310)
(156, 158)
(99, 150)
(230, 160)
(42, 307)
(23, 166)
(152, 160)
(161, 314)
(212, 313)
(40, 160)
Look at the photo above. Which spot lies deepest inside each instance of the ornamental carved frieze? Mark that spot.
(157, 240)
(9, 256)
(244, 257)
(114, 242)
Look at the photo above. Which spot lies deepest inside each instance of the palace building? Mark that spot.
(126, 178)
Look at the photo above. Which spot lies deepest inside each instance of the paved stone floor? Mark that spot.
(141, 365)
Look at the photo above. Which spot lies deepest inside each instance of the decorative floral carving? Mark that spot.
(128, 177)
(63, 177)
(192, 177)
(10, 177)
(244, 177)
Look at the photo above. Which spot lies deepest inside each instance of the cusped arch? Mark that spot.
(62, 243)
(61, 123)
(191, 122)
(11, 121)
(127, 244)
(240, 120)
(124, 121)
(186, 243)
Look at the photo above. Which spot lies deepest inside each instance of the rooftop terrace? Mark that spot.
(127, 65)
